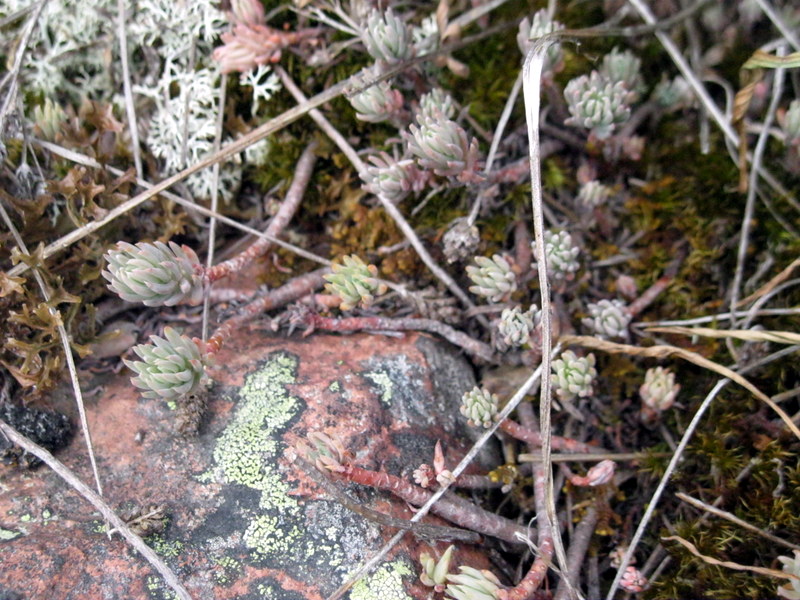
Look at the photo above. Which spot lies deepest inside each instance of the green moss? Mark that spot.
(386, 583)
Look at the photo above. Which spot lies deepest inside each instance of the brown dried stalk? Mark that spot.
(470, 345)
(450, 507)
(296, 288)
(289, 206)
(431, 532)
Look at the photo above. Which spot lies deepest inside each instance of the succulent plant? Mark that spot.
(493, 278)
(633, 580)
(573, 376)
(326, 452)
(377, 103)
(460, 241)
(562, 255)
(673, 94)
(791, 124)
(387, 37)
(48, 118)
(480, 407)
(441, 145)
(791, 589)
(393, 179)
(593, 194)
(608, 319)
(155, 274)
(437, 100)
(597, 104)
(171, 366)
(515, 326)
(473, 584)
(624, 67)
(659, 389)
(434, 572)
(354, 282)
(530, 29)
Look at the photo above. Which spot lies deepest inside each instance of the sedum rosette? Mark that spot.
(170, 367)
(155, 274)
(354, 282)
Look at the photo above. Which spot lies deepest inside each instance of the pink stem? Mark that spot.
(302, 175)
(450, 507)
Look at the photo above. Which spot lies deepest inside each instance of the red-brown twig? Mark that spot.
(468, 344)
(544, 552)
(450, 507)
(302, 175)
(534, 438)
(432, 532)
(296, 288)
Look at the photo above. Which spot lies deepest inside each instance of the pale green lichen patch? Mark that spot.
(164, 547)
(335, 387)
(384, 383)
(247, 452)
(386, 583)
(230, 568)
(8, 534)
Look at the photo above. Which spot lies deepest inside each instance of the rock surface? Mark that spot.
(241, 521)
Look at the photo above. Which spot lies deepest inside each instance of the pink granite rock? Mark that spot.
(242, 522)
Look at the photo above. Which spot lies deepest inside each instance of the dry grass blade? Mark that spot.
(662, 352)
(726, 563)
(95, 500)
(771, 284)
(531, 89)
(748, 335)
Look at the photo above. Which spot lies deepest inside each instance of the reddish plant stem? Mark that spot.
(294, 289)
(578, 546)
(302, 175)
(451, 507)
(533, 579)
(468, 344)
(476, 482)
(534, 438)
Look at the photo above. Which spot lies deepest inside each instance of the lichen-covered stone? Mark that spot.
(241, 520)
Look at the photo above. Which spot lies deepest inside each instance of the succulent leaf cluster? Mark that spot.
(434, 572)
(659, 389)
(391, 178)
(460, 240)
(540, 25)
(437, 100)
(171, 366)
(673, 94)
(791, 124)
(515, 325)
(355, 282)
(155, 274)
(493, 278)
(387, 37)
(625, 67)
(573, 375)
(597, 104)
(377, 103)
(441, 145)
(608, 319)
(562, 255)
(593, 194)
(791, 589)
(473, 584)
(480, 407)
